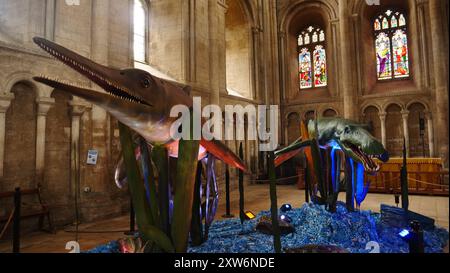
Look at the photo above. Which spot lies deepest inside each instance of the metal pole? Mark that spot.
(16, 221)
(416, 243)
(227, 194)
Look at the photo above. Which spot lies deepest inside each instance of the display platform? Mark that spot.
(356, 232)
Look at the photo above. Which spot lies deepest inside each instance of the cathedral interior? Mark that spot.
(383, 65)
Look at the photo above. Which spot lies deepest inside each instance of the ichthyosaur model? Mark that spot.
(328, 142)
(352, 138)
(134, 97)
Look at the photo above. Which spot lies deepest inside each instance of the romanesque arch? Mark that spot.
(239, 49)
(293, 19)
(394, 129)
(371, 117)
(20, 135)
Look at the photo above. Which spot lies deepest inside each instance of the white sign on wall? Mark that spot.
(92, 157)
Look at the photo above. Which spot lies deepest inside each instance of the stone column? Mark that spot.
(100, 33)
(43, 106)
(50, 7)
(283, 67)
(430, 133)
(383, 128)
(345, 45)
(218, 69)
(405, 115)
(5, 102)
(440, 78)
(100, 119)
(255, 77)
(77, 110)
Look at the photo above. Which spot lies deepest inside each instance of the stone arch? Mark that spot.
(20, 76)
(365, 106)
(309, 115)
(329, 112)
(418, 101)
(293, 20)
(371, 117)
(394, 129)
(390, 103)
(239, 49)
(20, 135)
(294, 8)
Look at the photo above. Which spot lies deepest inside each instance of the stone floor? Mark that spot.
(256, 199)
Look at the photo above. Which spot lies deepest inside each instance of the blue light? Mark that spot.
(285, 218)
(334, 145)
(404, 233)
(286, 207)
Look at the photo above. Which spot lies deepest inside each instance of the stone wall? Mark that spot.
(45, 135)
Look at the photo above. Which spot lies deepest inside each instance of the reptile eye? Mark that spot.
(146, 83)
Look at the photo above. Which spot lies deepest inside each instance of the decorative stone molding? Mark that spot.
(44, 105)
(77, 109)
(405, 114)
(5, 101)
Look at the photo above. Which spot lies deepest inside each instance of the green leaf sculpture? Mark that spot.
(161, 159)
(138, 194)
(184, 192)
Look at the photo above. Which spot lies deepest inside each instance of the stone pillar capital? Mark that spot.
(77, 109)
(5, 101)
(382, 116)
(44, 104)
(428, 115)
(405, 114)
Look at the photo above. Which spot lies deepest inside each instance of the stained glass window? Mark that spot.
(385, 23)
(400, 50)
(377, 24)
(140, 31)
(383, 47)
(320, 67)
(312, 61)
(391, 45)
(305, 65)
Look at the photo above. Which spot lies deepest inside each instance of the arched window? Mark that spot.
(391, 45)
(140, 23)
(312, 58)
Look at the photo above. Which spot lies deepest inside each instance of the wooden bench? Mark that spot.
(39, 209)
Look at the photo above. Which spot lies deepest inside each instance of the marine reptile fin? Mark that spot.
(222, 152)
